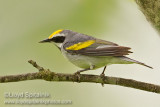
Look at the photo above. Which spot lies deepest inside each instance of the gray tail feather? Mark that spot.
(132, 60)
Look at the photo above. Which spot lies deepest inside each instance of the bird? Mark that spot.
(90, 53)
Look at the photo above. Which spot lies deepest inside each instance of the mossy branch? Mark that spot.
(151, 10)
(46, 74)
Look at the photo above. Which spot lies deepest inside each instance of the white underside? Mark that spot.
(96, 61)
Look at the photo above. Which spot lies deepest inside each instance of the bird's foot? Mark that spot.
(77, 76)
(103, 78)
(102, 75)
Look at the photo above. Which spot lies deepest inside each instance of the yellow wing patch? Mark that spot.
(54, 33)
(81, 45)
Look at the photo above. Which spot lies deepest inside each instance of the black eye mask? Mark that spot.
(58, 39)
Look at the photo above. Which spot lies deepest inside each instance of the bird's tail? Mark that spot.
(134, 61)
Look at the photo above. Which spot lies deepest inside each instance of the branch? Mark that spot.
(150, 9)
(46, 74)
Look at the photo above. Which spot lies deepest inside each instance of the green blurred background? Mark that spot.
(23, 23)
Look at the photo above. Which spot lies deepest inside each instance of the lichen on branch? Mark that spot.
(46, 74)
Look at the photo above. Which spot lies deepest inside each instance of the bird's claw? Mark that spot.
(103, 78)
(102, 75)
(77, 76)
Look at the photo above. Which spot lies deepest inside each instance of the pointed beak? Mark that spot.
(45, 41)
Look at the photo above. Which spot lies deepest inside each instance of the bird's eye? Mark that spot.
(58, 39)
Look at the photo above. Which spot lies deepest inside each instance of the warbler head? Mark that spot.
(58, 37)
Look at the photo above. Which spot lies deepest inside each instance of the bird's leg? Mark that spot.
(91, 67)
(79, 71)
(102, 75)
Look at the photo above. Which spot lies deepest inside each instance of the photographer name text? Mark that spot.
(28, 95)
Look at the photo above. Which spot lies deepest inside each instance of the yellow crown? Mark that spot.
(54, 33)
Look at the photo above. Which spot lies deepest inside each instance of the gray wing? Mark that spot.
(103, 48)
